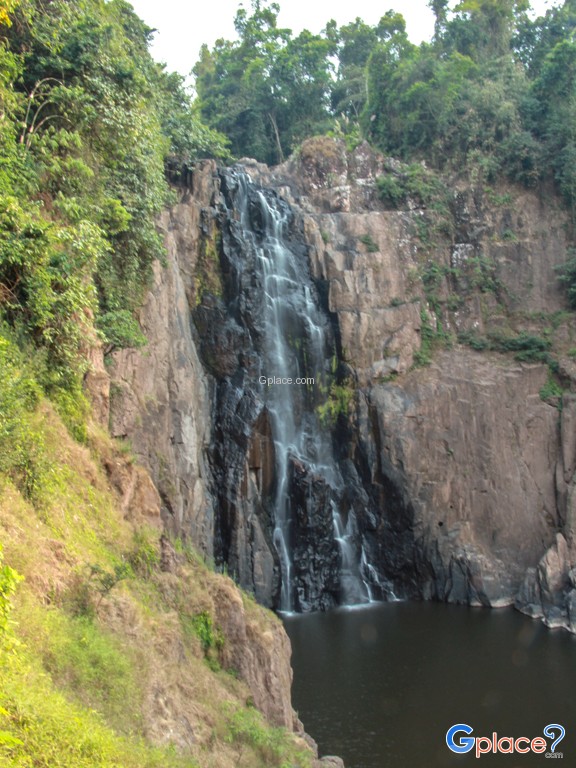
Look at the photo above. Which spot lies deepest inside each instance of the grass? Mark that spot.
(84, 660)
(41, 727)
(106, 656)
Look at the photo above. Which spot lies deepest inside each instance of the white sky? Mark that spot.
(183, 26)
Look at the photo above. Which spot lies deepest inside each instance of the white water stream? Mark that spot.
(296, 347)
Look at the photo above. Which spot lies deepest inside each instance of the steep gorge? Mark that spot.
(457, 476)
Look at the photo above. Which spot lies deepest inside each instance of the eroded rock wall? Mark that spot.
(461, 476)
(160, 394)
(470, 471)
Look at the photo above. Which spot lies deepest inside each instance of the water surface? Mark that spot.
(381, 685)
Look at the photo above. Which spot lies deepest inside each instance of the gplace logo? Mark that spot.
(484, 745)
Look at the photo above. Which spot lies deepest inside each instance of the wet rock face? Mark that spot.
(294, 514)
(316, 556)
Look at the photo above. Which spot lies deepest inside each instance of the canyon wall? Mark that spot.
(459, 473)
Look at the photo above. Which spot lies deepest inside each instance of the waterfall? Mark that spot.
(319, 549)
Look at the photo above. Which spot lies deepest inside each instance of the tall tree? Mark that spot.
(267, 90)
(354, 42)
(555, 90)
(440, 10)
(493, 22)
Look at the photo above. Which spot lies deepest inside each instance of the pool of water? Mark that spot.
(380, 686)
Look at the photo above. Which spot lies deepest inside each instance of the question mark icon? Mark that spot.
(548, 731)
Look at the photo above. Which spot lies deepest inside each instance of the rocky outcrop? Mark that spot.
(467, 471)
(549, 589)
(161, 393)
(258, 649)
(471, 449)
(459, 475)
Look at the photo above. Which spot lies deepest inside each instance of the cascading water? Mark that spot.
(320, 554)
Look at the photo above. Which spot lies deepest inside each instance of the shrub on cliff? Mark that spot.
(88, 119)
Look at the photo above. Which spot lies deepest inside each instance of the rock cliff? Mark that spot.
(459, 474)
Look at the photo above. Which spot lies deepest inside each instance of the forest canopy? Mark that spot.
(89, 121)
(493, 91)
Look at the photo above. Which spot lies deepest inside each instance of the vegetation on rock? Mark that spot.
(493, 92)
(91, 628)
(88, 122)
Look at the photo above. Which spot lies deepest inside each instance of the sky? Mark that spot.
(183, 26)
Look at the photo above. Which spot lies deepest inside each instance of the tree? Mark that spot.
(354, 42)
(7, 7)
(440, 10)
(87, 119)
(267, 90)
(555, 118)
(493, 22)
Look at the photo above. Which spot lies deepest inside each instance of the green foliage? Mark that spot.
(491, 97)
(551, 391)
(120, 328)
(417, 184)
(267, 91)
(103, 581)
(92, 585)
(22, 455)
(87, 662)
(88, 121)
(45, 281)
(73, 407)
(39, 726)
(144, 557)
(246, 727)
(368, 241)
(339, 401)
(210, 636)
(423, 355)
(567, 275)
(391, 190)
(527, 347)
(9, 579)
(432, 336)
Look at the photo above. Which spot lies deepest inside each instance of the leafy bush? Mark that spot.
(430, 338)
(567, 275)
(527, 347)
(337, 404)
(391, 190)
(91, 585)
(368, 241)
(247, 727)
(9, 579)
(144, 557)
(120, 329)
(551, 391)
(210, 636)
(22, 455)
